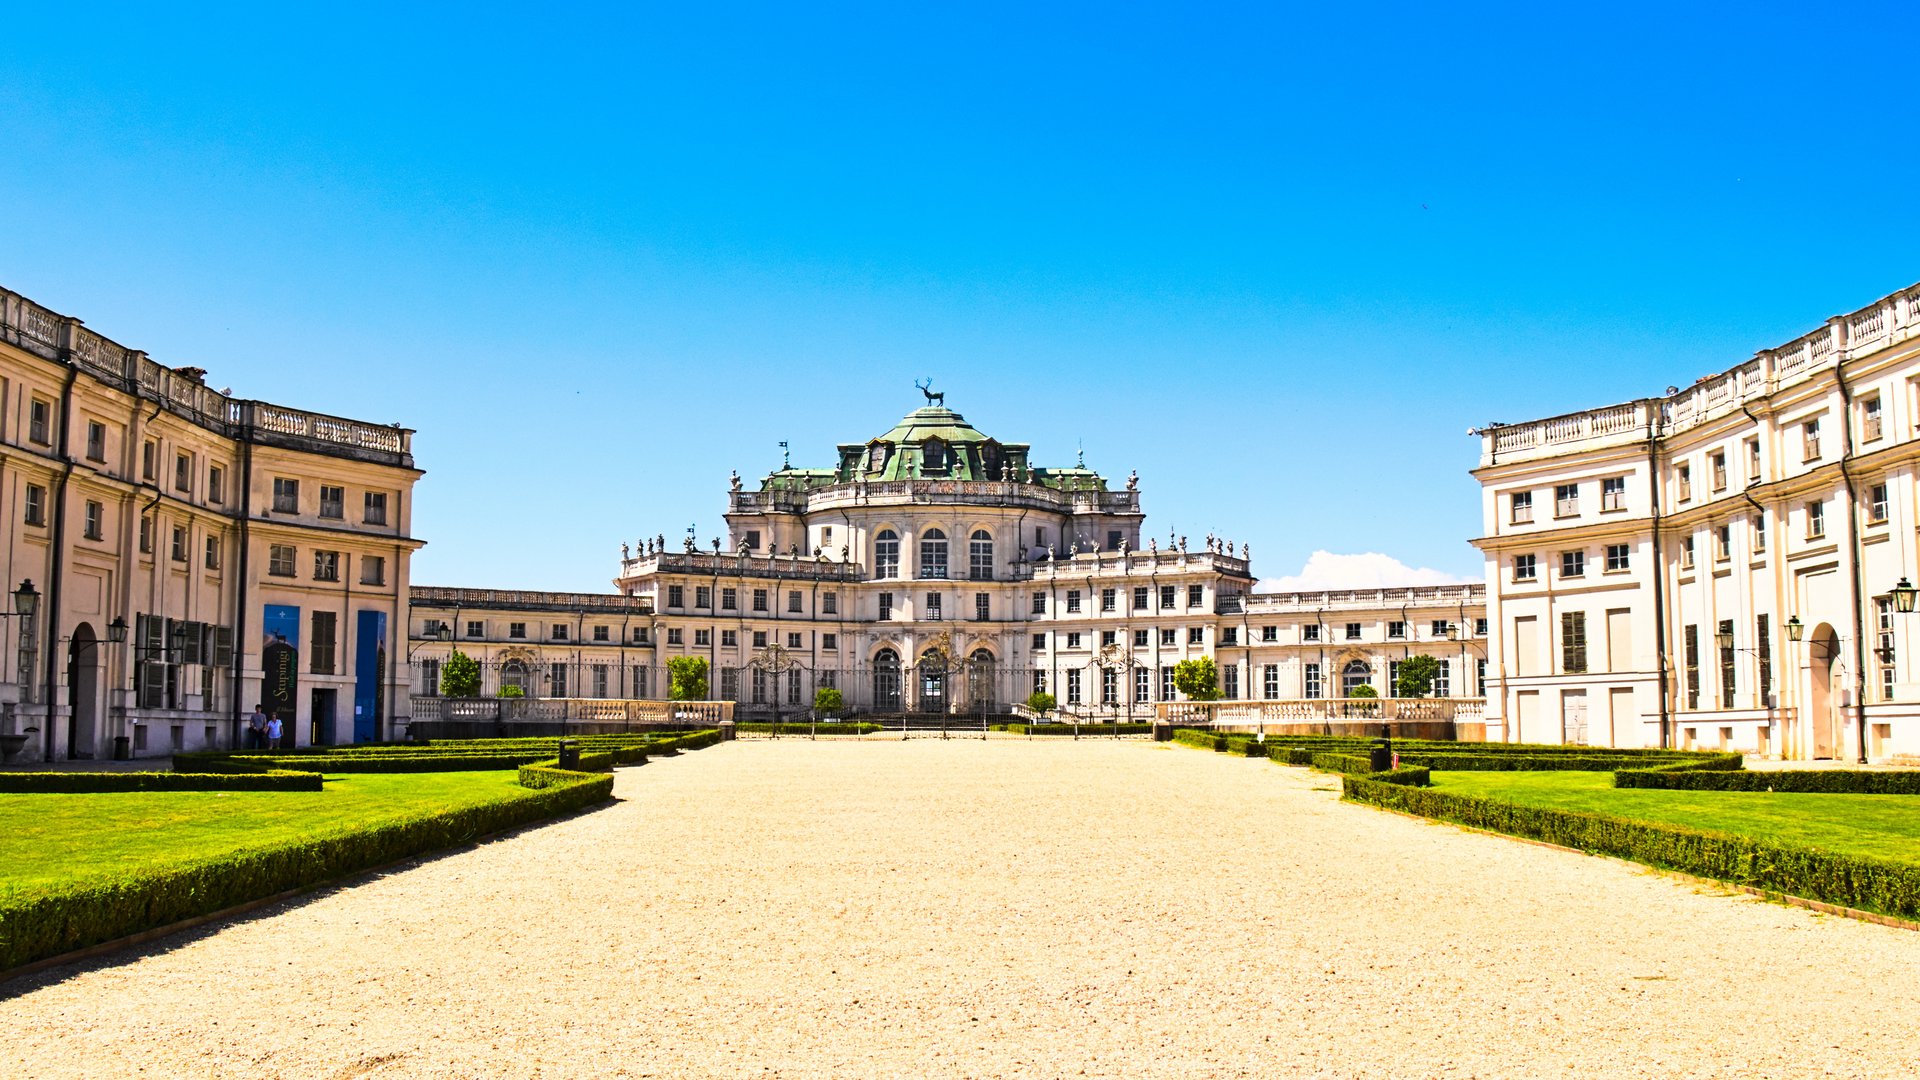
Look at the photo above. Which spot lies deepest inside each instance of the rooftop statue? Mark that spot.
(1133, 480)
(932, 398)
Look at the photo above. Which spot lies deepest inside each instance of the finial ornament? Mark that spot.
(926, 389)
(1133, 480)
(736, 480)
(1243, 553)
(1153, 545)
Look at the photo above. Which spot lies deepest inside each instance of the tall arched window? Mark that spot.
(886, 681)
(980, 556)
(1357, 673)
(514, 673)
(933, 554)
(886, 554)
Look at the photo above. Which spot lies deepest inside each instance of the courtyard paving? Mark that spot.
(989, 908)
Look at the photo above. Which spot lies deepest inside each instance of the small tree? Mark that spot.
(1040, 701)
(1416, 676)
(687, 678)
(1198, 679)
(827, 700)
(1364, 691)
(460, 677)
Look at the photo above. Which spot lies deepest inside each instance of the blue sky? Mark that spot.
(1278, 260)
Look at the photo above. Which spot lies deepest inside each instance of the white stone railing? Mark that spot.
(732, 564)
(572, 710)
(1473, 593)
(935, 492)
(1318, 711)
(1114, 563)
(435, 596)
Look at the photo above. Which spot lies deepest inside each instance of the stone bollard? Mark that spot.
(1163, 731)
(726, 731)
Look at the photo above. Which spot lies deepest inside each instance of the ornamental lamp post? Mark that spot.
(1795, 628)
(1903, 596)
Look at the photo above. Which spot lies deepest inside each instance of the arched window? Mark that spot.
(1357, 673)
(933, 554)
(886, 554)
(980, 679)
(980, 556)
(886, 681)
(514, 673)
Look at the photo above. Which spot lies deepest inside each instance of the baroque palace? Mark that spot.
(935, 569)
(175, 555)
(1725, 566)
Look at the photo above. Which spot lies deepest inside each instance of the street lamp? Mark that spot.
(1724, 639)
(26, 599)
(1795, 628)
(1903, 596)
(117, 631)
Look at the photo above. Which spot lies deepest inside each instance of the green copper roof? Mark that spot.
(933, 443)
(934, 421)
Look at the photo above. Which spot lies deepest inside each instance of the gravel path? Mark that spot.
(1001, 908)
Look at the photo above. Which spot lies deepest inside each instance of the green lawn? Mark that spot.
(49, 840)
(1880, 826)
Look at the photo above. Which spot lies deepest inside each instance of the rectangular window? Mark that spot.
(476, 628)
(640, 634)
(39, 422)
(1229, 635)
(1169, 636)
(1230, 682)
(1683, 482)
(933, 556)
(1763, 651)
(1196, 635)
(1566, 500)
(1613, 493)
(1480, 678)
(980, 559)
(518, 630)
(794, 641)
(1759, 531)
(1142, 686)
(1883, 610)
(1726, 663)
(1524, 568)
(1810, 440)
(146, 535)
(1270, 682)
(150, 461)
(1753, 461)
(599, 680)
(1442, 680)
(982, 607)
(1717, 469)
(1073, 640)
(1619, 557)
(1870, 426)
(1167, 593)
(179, 550)
(759, 639)
(729, 599)
(1140, 598)
(1107, 637)
(676, 596)
(1440, 627)
(829, 603)
(1521, 503)
(216, 484)
(1722, 543)
(280, 560)
(1039, 680)
(886, 606)
(1573, 642)
(703, 637)
(730, 639)
(1686, 553)
(559, 631)
(1877, 505)
(1114, 538)
(933, 606)
(1353, 631)
(326, 566)
(430, 677)
(1039, 603)
(829, 643)
(35, 510)
(96, 523)
(1269, 633)
(1073, 601)
(703, 597)
(1140, 640)
(1310, 681)
(793, 600)
(1166, 684)
(759, 600)
(674, 636)
(96, 440)
(213, 553)
(639, 681)
(286, 495)
(1073, 686)
(1816, 520)
(1196, 595)
(1480, 627)
(1691, 654)
(183, 472)
(1109, 600)
(753, 540)
(557, 680)
(373, 570)
(320, 651)
(1039, 643)
(1396, 630)
(1310, 632)
(601, 633)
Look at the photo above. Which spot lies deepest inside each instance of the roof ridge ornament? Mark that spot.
(933, 398)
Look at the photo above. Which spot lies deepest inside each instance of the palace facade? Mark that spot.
(935, 569)
(174, 554)
(1724, 566)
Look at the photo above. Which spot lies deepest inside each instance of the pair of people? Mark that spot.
(263, 731)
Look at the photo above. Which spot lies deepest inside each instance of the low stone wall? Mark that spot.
(1443, 730)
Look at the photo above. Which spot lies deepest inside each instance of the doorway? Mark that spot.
(1822, 647)
(324, 704)
(83, 693)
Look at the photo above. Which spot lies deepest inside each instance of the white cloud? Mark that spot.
(1369, 570)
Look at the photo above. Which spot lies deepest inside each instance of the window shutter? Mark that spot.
(223, 646)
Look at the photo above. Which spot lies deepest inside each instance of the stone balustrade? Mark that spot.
(441, 598)
(1254, 714)
(936, 493)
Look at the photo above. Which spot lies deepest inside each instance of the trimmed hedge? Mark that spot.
(1069, 728)
(81, 783)
(1812, 781)
(1848, 880)
(45, 924)
(359, 763)
(1343, 763)
(842, 727)
(1603, 761)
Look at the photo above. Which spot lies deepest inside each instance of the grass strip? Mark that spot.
(82, 783)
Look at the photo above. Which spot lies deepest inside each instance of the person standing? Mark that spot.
(273, 731)
(257, 728)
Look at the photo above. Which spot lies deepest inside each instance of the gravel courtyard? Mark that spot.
(999, 908)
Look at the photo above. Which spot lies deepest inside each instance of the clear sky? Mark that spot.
(1278, 260)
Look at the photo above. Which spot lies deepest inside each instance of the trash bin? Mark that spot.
(1382, 757)
(1162, 731)
(569, 754)
(726, 730)
(122, 748)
